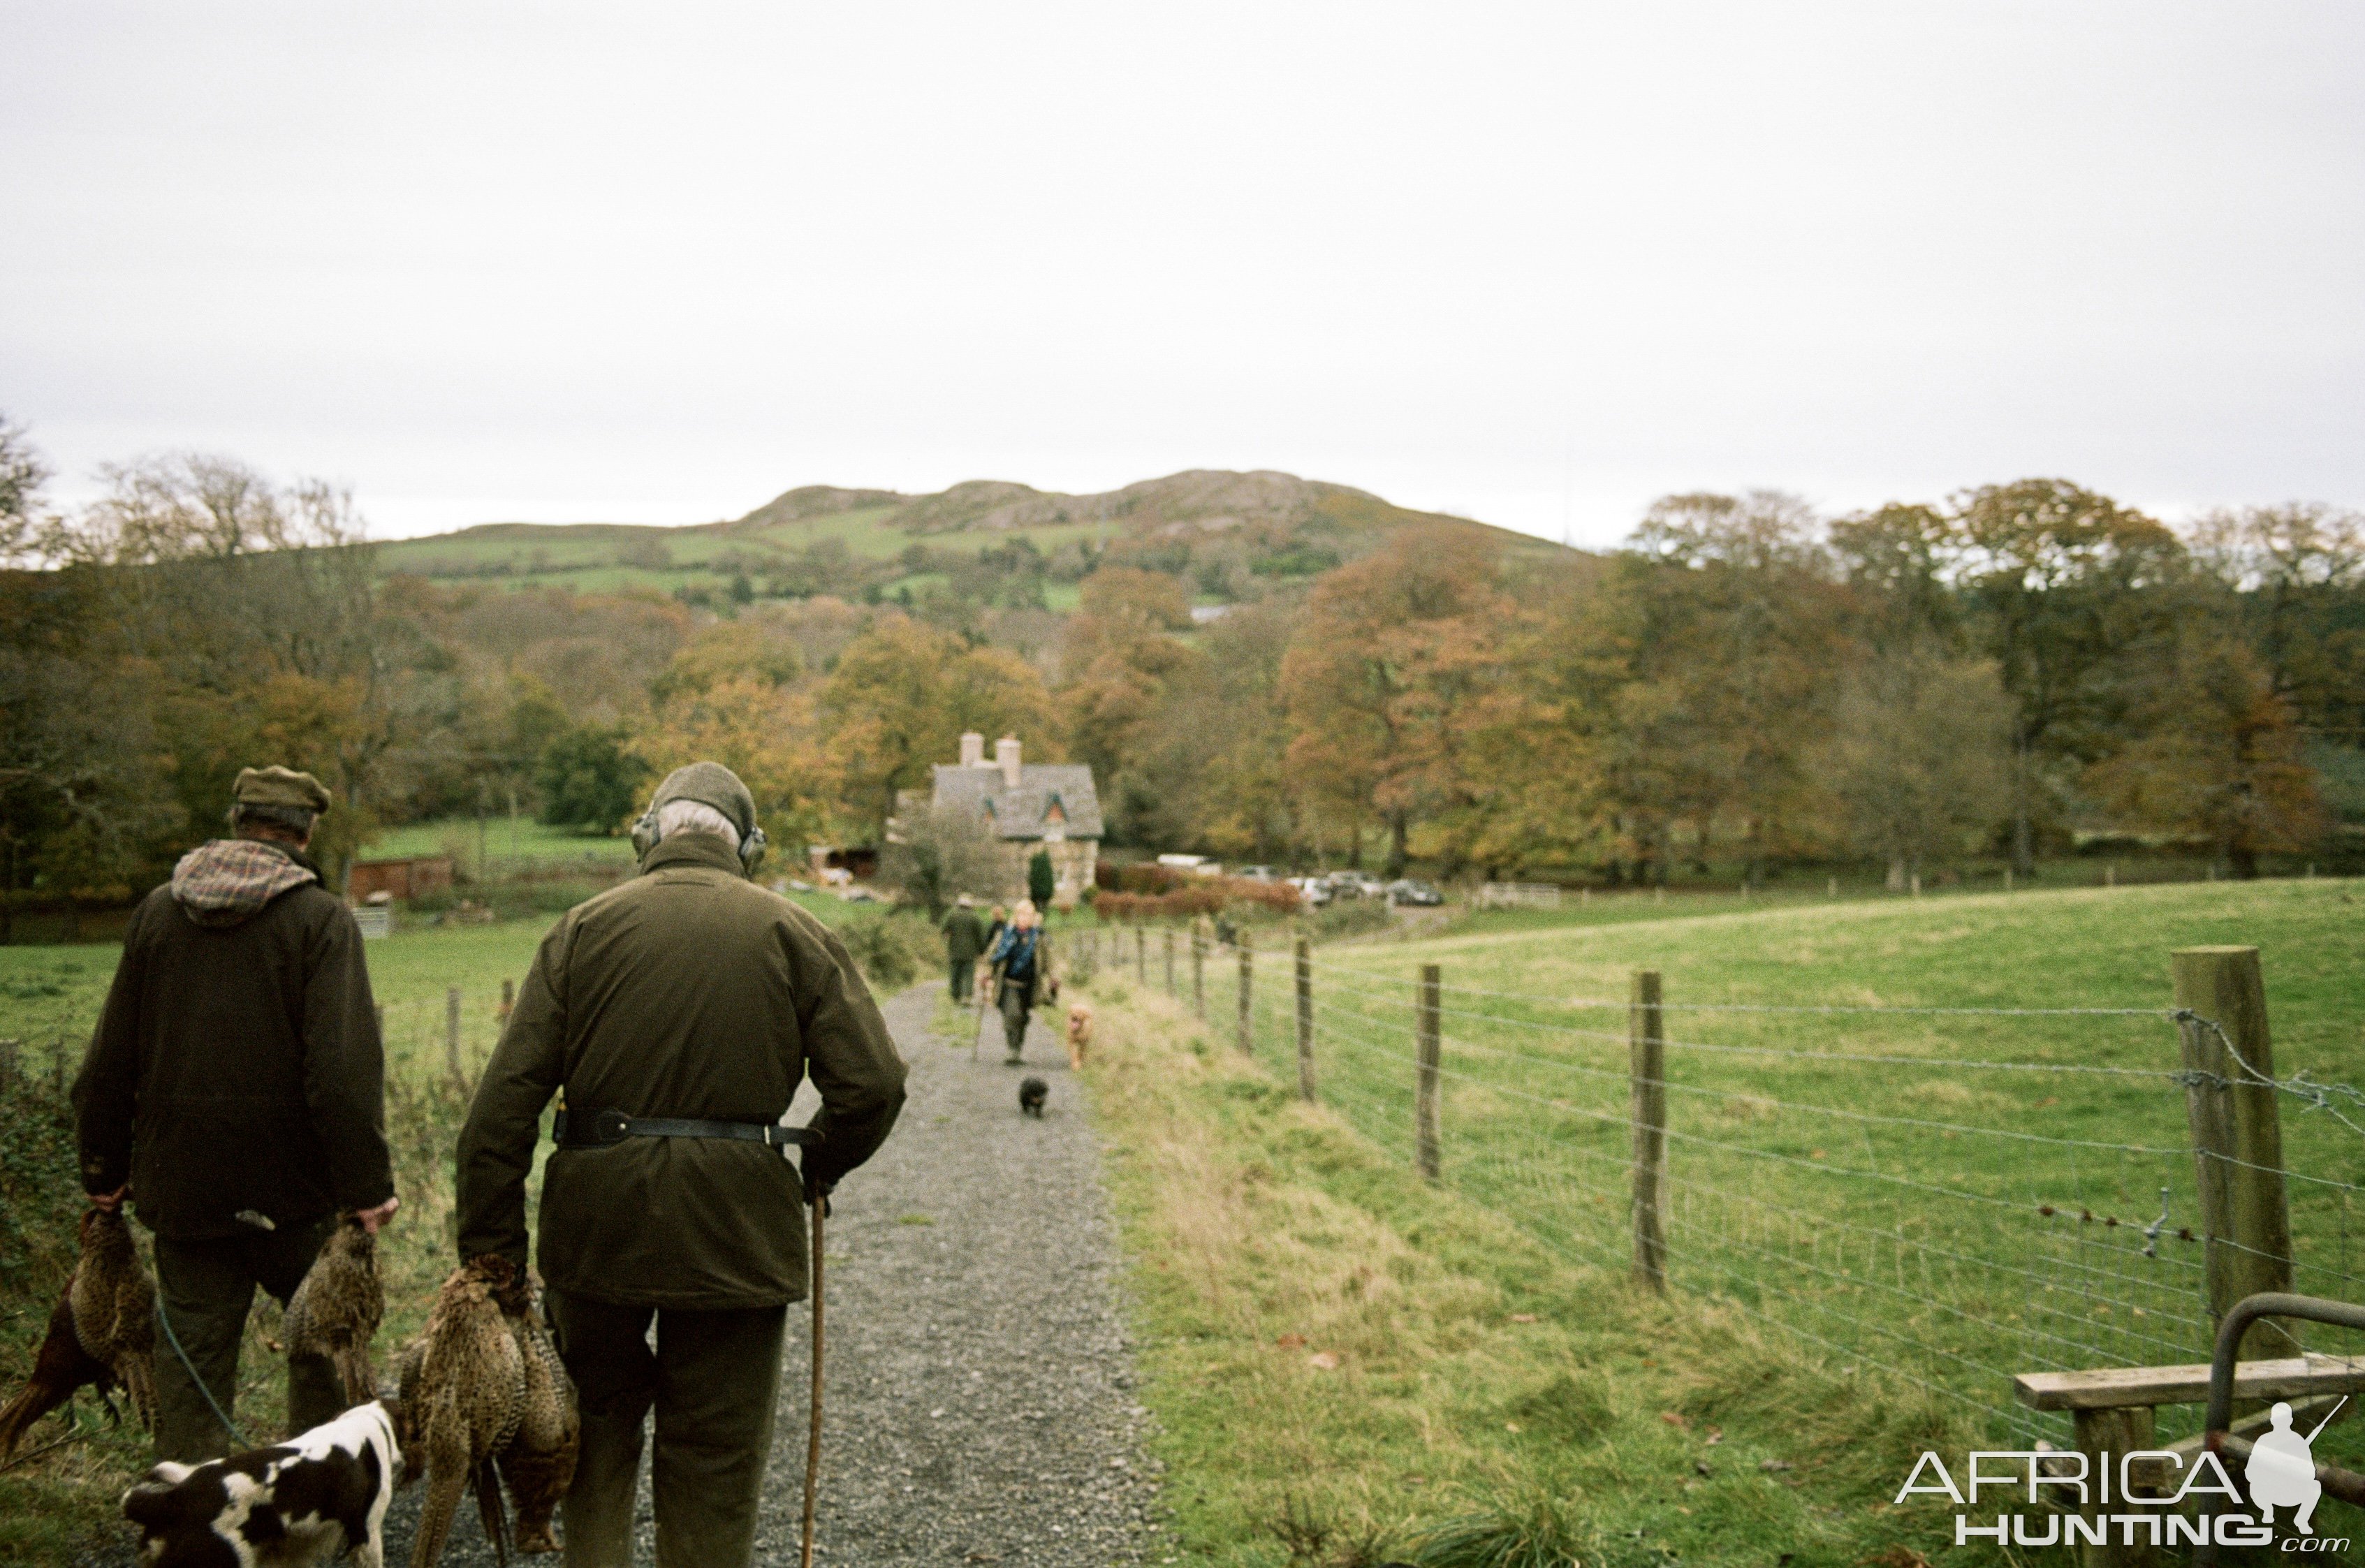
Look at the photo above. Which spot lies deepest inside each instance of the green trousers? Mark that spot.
(204, 1290)
(964, 973)
(713, 1380)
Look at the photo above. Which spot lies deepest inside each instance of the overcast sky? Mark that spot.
(1534, 264)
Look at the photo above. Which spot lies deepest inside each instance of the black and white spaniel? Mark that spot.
(310, 1499)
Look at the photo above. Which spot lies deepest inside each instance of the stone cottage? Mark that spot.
(1027, 806)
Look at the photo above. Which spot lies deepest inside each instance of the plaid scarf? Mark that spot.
(226, 880)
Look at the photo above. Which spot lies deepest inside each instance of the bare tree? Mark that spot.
(934, 856)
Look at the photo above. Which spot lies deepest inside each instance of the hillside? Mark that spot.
(1222, 530)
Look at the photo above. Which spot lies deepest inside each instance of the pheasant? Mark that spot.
(101, 1334)
(336, 1311)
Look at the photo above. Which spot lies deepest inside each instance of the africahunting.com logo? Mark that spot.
(2139, 1498)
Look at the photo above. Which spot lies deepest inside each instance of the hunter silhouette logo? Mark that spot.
(2144, 1498)
(2282, 1469)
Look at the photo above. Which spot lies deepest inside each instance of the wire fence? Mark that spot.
(1935, 1198)
(449, 1033)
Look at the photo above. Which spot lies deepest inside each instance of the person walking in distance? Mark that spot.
(964, 944)
(235, 1092)
(675, 1015)
(1021, 962)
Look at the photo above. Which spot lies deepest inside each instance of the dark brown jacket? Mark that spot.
(688, 992)
(237, 1066)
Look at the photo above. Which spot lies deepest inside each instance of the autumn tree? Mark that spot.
(2066, 591)
(1919, 757)
(1383, 677)
(252, 609)
(1209, 768)
(2218, 754)
(1736, 626)
(898, 702)
(1122, 664)
(2291, 580)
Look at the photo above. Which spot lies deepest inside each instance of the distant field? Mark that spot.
(504, 839)
(585, 557)
(1872, 1181)
(1860, 1253)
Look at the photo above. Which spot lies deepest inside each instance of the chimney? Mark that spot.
(1005, 752)
(972, 749)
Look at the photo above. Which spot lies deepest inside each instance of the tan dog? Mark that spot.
(336, 1311)
(1079, 1033)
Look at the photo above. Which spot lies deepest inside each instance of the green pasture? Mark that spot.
(1872, 1185)
(1859, 1255)
(585, 556)
(505, 839)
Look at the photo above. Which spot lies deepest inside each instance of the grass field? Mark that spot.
(585, 557)
(505, 839)
(1856, 1209)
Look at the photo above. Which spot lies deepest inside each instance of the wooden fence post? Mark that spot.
(1247, 1024)
(1646, 1073)
(1170, 961)
(1304, 1020)
(1424, 1104)
(2237, 1143)
(1141, 954)
(452, 1038)
(1199, 973)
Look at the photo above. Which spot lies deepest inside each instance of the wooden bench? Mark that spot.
(2111, 1411)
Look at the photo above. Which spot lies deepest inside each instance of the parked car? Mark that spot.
(1313, 890)
(1358, 884)
(1404, 890)
(1259, 874)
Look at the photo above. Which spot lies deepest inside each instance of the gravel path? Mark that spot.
(979, 1394)
(979, 1404)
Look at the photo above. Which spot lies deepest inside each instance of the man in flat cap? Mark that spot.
(235, 1091)
(677, 1014)
(964, 946)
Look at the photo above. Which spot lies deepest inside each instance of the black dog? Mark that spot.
(1031, 1094)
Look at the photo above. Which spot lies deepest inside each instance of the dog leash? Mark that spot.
(165, 1318)
(812, 1438)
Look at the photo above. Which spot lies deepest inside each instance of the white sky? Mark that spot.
(1536, 264)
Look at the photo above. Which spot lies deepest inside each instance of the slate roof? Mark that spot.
(1028, 812)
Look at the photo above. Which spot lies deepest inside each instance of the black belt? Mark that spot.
(611, 1126)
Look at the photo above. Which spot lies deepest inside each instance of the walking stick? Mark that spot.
(812, 1438)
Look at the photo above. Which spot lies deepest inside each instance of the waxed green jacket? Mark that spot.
(964, 936)
(688, 991)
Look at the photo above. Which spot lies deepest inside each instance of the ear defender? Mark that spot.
(751, 848)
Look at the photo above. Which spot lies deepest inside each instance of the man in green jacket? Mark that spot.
(235, 1091)
(690, 996)
(964, 944)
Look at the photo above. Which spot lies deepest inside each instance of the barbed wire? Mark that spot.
(1794, 1053)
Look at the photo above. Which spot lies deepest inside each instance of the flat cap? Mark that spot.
(710, 784)
(276, 786)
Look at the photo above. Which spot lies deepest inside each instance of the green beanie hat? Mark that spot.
(710, 784)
